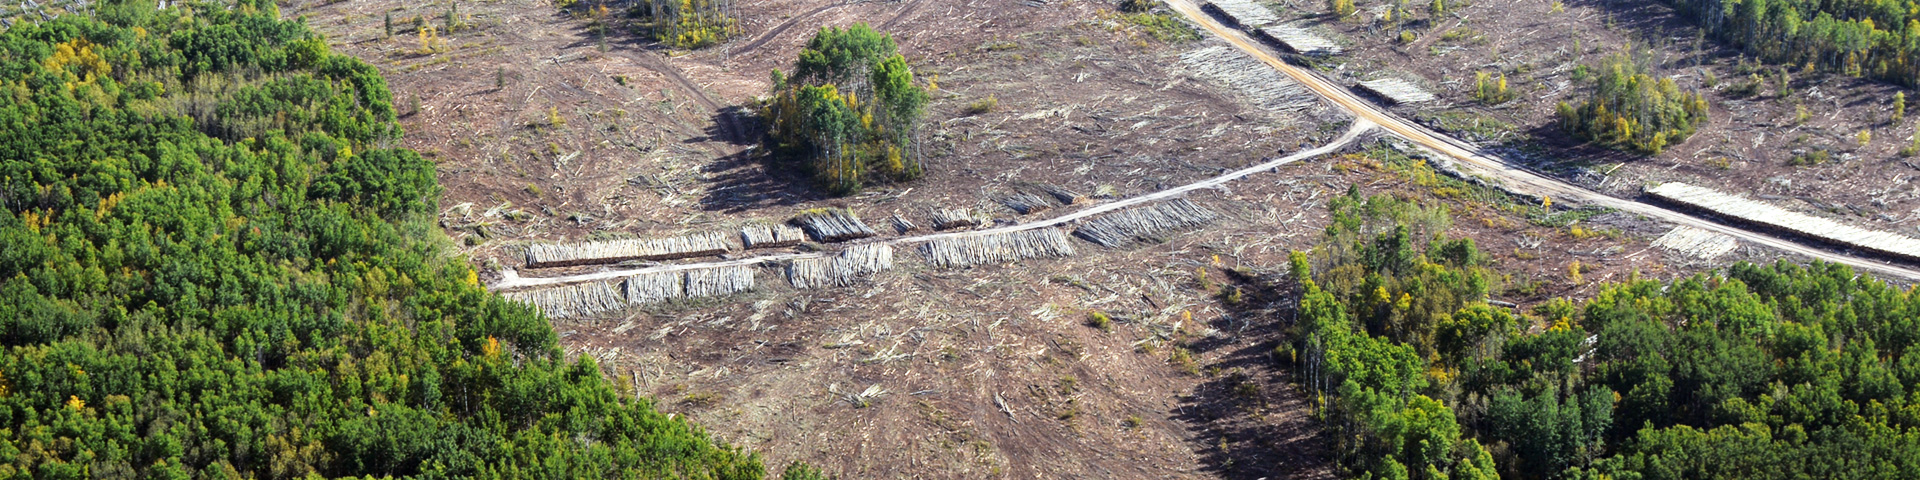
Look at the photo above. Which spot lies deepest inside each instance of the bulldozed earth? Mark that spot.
(562, 125)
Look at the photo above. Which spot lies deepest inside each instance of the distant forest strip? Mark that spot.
(212, 266)
(1877, 38)
(1761, 372)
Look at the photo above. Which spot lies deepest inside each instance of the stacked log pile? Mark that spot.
(1760, 213)
(972, 250)
(1065, 196)
(769, 235)
(902, 224)
(1247, 14)
(1397, 91)
(1299, 40)
(833, 224)
(613, 251)
(572, 300)
(1697, 243)
(1228, 66)
(718, 281)
(1025, 203)
(840, 269)
(951, 218)
(1143, 224)
(657, 287)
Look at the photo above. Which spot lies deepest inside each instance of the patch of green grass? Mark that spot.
(984, 105)
(1164, 27)
(1564, 218)
(1182, 359)
(1100, 320)
(1475, 126)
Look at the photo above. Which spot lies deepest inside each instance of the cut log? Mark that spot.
(1299, 40)
(1766, 215)
(702, 244)
(1143, 224)
(1025, 203)
(840, 269)
(972, 250)
(833, 224)
(718, 281)
(902, 224)
(1230, 67)
(765, 235)
(951, 218)
(571, 301)
(1697, 243)
(1246, 14)
(1396, 91)
(1064, 196)
(658, 287)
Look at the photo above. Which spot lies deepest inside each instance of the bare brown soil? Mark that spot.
(984, 372)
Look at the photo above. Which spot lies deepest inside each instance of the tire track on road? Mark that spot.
(728, 124)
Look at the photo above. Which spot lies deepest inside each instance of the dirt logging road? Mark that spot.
(1517, 178)
(511, 280)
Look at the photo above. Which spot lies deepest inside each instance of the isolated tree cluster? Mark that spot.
(1491, 90)
(849, 112)
(1630, 109)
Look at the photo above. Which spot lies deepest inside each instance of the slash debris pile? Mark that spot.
(841, 269)
(833, 224)
(613, 251)
(972, 250)
(1143, 224)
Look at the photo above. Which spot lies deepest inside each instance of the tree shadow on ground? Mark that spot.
(750, 178)
(1248, 420)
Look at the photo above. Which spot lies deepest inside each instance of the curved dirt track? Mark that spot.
(904, 12)
(779, 29)
(1359, 127)
(1518, 178)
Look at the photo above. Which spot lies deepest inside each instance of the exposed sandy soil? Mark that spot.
(656, 142)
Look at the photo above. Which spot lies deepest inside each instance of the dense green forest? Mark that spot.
(817, 115)
(1631, 109)
(214, 264)
(1878, 38)
(1780, 371)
